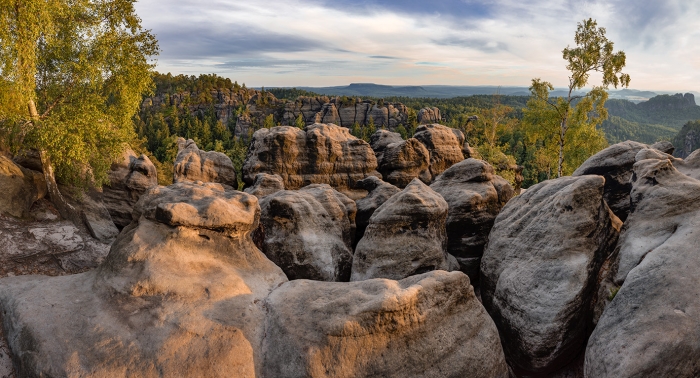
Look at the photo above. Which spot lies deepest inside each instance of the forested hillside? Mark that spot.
(221, 115)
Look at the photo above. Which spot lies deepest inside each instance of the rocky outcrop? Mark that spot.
(45, 244)
(615, 164)
(540, 270)
(21, 188)
(431, 325)
(428, 116)
(129, 178)
(344, 111)
(444, 144)
(309, 233)
(319, 154)
(651, 327)
(193, 164)
(265, 184)
(180, 294)
(378, 192)
(405, 237)
(380, 140)
(404, 161)
(475, 196)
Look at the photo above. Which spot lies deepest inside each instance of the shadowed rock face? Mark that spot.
(180, 294)
(651, 327)
(21, 188)
(540, 270)
(444, 144)
(405, 236)
(430, 325)
(475, 196)
(265, 184)
(380, 140)
(615, 164)
(193, 164)
(404, 161)
(319, 154)
(378, 193)
(129, 178)
(309, 233)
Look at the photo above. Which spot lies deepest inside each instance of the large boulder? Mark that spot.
(309, 232)
(380, 140)
(264, 185)
(651, 327)
(445, 145)
(129, 178)
(540, 270)
(193, 164)
(319, 154)
(180, 294)
(378, 193)
(615, 164)
(404, 161)
(475, 196)
(431, 325)
(21, 188)
(405, 236)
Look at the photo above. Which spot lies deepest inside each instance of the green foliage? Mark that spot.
(291, 93)
(618, 129)
(84, 66)
(566, 127)
(299, 122)
(269, 122)
(670, 111)
(688, 139)
(237, 154)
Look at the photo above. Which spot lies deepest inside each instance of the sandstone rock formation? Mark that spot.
(21, 188)
(129, 178)
(444, 144)
(404, 161)
(92, 212)
(380, 140)
(344, 112)
(474, 195)
(265, 184)
(651, 327)
(431, 325)
(378, 193)
(429, 116)
(541, 267)
(193, 164)
(615, 164)
(45, 244)
(309, 233)
(405, 237)
(319, 154)
(180, 294)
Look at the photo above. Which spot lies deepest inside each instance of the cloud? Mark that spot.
(467, 42)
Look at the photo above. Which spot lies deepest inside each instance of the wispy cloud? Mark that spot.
(468, 42)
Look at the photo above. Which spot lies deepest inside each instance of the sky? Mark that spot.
(316, 43)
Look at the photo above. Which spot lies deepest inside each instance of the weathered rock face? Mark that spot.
(319, 154)
(615, 164)
(405, 236)
(21, 188)
(344, 112)
(380, 140)
(428, 116)
(309, 233)
(474, 195)
(180, 294)
(193, 164)
(45, 244)
(651, 327)
(404, 161)
(129, 178)
(378, 193)
(429, 325)
(540, 270)
(444, 144)
(265, 184)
